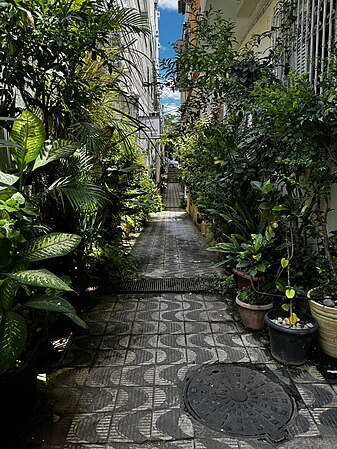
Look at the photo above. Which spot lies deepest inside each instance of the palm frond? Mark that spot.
(88, 134)
(128, 20)
(52, 151)
(79, 195)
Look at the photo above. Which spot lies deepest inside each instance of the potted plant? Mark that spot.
(28, 295)
(323, 298)
(291, 332)
(249, 256)
(28, 292)
(252, 307)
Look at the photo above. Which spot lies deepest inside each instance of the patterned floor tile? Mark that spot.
(138, 375)
(171, 341)
(101, 316)
(219, 443)
(326, 417)
(171, 356)
(67, 377)
(202, 355)
(104, 377)
(194, 327)
(232, 355)
(304, 424)
(147, 316)
(123, 316)
(172, 316)
(90, 428)
(195, 315)
(171, 424)
(115, 342)
(143, 341)
(130, 427)
(191, 305)
(306, 374)
(168, 327)
(149, 306)
(170, 305)
(111, 357)
(227, 327)
(145, 327)
(200, 341)
(317, 395)
(134, 399)
(64, 400)
(254, 340)
(93, 400)
(140, 357)
(170, 374)
(167, 397)
(219, 316)
(259, 355)
(118, 328)
(228, 340)
(125, 306)
(79, 357)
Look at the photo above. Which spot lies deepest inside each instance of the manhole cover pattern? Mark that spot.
(239, 401)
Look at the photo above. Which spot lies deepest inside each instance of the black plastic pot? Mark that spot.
(287, 345)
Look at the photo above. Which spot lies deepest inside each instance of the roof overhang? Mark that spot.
(244, 13)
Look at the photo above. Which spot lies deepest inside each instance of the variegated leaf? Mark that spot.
(8, 293)
(6, 178)
(40, 278)
(50, 303)
(30, 134)
(13, 336)
(51, 245)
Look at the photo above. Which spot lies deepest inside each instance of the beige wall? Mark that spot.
(262, 24)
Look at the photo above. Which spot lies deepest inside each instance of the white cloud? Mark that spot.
(169, 4)
(170, 94)
(170, 108)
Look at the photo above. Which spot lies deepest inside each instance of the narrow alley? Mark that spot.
(145, 373)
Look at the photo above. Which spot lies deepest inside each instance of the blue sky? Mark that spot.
(170, 30)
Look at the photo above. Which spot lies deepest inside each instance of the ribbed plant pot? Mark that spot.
(288, 345)
(327, 330)
(251, 315)
(245, 280)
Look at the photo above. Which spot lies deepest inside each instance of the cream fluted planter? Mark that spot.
(327, 321)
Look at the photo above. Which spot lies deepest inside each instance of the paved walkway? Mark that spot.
(120, 383)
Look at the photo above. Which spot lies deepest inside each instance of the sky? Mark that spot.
(170, 30)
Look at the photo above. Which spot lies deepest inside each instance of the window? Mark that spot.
(308, 39)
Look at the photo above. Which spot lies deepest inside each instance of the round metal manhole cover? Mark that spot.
(239, 401)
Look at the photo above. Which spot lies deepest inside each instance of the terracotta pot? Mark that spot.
(327, 330)
(245, 280)
(252, 315)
